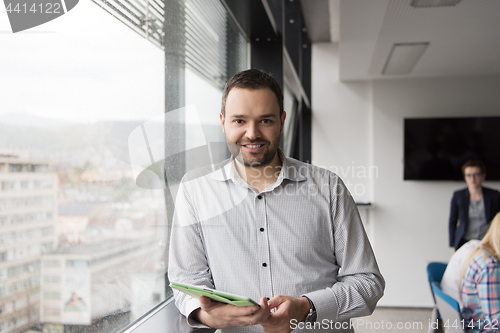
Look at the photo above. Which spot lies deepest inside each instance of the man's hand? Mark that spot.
(287, 308)
(219, 315)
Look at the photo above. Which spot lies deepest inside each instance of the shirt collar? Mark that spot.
(226, 170)
(290, 169)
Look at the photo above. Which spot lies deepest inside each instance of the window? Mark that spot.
(51, 263)
(5, 238)
(21, 302)
(47, 231)
(9, 307)
(46, 184)
(52, 279)
(15, 167)
(8, 186)
(46, 247)
(51, 311)
(77, 263)
(52, 295)
(89, 90)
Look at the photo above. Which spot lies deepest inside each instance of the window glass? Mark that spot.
(215, 50)
(73, 90)
(290, 106)
(203, 123)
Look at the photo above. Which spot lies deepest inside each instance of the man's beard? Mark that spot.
(247, 160)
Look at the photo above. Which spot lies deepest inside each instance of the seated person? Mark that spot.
(481, 283)
(450, 284)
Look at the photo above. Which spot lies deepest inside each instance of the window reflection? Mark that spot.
(290, 105)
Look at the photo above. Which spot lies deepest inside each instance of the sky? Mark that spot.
(84, 66)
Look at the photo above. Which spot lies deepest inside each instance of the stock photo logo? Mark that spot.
(26, 14)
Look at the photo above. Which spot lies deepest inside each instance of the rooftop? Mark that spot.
(76, 209)
(94, 249)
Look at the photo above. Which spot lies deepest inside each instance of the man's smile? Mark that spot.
(253, 147)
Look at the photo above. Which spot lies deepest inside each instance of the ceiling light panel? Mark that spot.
(403, 58)
(433, 3)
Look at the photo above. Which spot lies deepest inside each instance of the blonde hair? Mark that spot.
(490, 244)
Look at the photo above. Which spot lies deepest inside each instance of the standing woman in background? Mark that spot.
(472, 208)
(480, 283)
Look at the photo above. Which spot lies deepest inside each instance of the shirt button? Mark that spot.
(259, 197)
(262, 229)
(264, 264)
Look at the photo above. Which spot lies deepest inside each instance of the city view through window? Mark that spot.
(82, 247)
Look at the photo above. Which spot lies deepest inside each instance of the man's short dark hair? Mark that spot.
(474, 163)
(252, 79)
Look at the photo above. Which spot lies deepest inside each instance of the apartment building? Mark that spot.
(73, 219)
(27, 219)
(86, 282)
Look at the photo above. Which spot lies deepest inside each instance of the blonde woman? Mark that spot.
(480, 285)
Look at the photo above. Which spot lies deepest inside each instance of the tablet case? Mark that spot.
(219, 296)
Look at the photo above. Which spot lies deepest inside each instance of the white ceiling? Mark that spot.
(464, 39)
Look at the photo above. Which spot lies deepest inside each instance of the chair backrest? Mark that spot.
(435, 272)
(449, 309)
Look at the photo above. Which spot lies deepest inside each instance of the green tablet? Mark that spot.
(219, 296)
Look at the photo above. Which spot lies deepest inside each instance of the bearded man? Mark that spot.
(270, 228)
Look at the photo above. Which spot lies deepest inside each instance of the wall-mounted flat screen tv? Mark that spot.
(436, 148)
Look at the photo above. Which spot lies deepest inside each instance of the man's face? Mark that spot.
(252, 125)
(473, 176)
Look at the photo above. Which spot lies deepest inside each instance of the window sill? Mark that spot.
(164, 318)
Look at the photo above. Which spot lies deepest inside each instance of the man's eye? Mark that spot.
(266, 121)
(238, 121)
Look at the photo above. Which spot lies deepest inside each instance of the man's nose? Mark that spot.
(253, 131)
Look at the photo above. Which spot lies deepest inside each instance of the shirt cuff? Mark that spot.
(325, 303)
(191, 306)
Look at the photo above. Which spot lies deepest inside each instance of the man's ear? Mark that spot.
(222, 121)
(283, 117)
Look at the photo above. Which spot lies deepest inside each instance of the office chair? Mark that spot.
(449, 310)
(435, 271)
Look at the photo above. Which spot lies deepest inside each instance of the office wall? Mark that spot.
(341, 123)
(408, 221)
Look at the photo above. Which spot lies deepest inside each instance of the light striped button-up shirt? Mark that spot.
(302, 235)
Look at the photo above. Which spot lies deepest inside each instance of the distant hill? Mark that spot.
(64, 140)
(61, 141)
(23, 119)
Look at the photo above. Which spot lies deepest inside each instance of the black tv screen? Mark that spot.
(436, 148)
